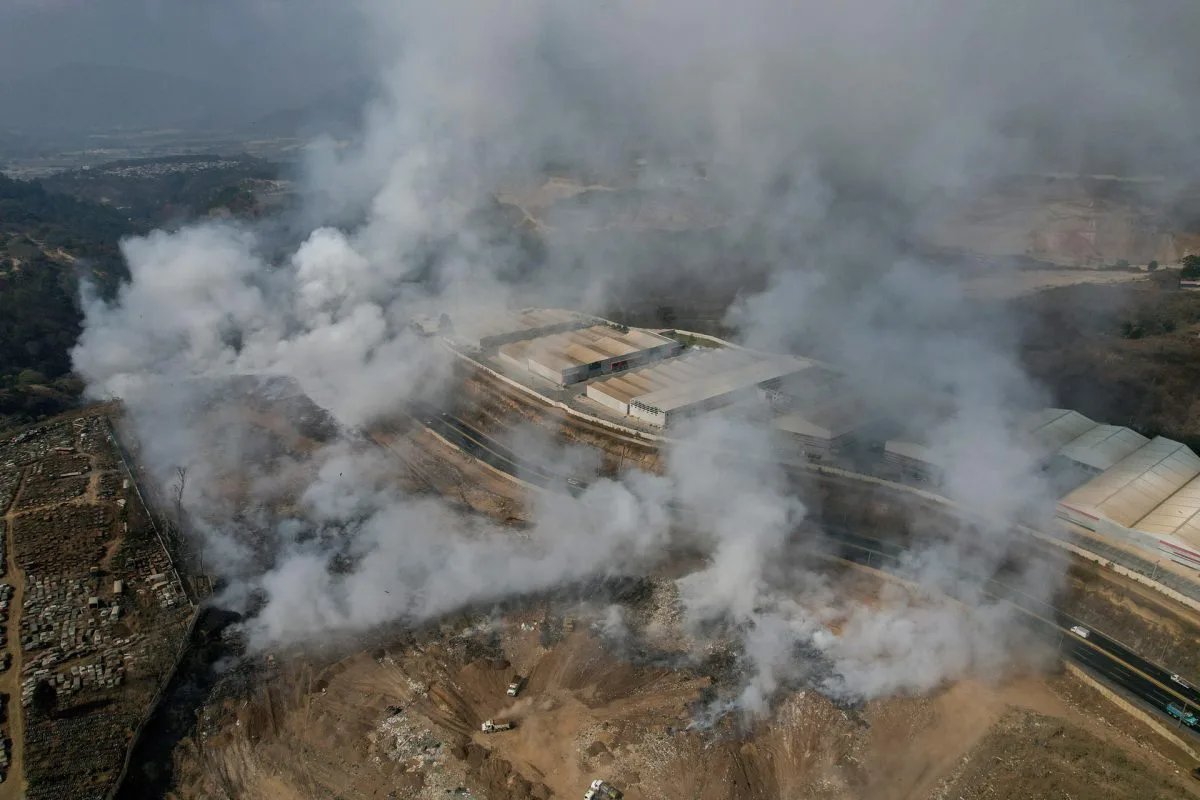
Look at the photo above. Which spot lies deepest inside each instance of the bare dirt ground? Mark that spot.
(1070, 221)
(1015, 283)
(10, 681)
(404, 722)
(436, 466)
(401, 719)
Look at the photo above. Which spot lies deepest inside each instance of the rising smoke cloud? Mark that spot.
(827, 133)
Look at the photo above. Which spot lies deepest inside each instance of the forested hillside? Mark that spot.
(162, 191)
(48, 242)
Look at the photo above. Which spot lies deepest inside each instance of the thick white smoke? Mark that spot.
(826, 131)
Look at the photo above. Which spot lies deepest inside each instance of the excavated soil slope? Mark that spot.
(406, 724)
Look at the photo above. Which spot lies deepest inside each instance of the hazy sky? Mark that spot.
(277, 52)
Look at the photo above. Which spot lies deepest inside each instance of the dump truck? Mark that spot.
(602, 790)
(495, 725)
(514, 688)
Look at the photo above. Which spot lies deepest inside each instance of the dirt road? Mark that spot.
(10, 681)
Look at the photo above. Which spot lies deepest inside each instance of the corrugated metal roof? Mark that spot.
(712, 386)
(690, 366)
(562, 351)
(1103, 446)
(1178, 515)
(817, 402)
(1052, 428)
(1136, 484)
(828, 422)
(914, 450)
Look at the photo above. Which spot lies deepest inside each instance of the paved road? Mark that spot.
(1100, 654)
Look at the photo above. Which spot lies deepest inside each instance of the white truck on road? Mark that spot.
(514, 688)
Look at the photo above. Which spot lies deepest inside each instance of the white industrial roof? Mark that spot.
(715, 385)
(1052, 428)
(561, 351)
(910, 449)
(693, 365)
(1178, 515)
(817, 403)
(1103, 446)
(824, 423)
(1138, 483)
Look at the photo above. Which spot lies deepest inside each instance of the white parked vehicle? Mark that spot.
(1080, 631)
(1181, 681)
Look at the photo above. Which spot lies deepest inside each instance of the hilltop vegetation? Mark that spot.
(48, 242)
(161, 191)
(1126, 355)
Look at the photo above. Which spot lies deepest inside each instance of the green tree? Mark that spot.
(1191, 267)
(1152, 266)
(45, 698)
(30, 377)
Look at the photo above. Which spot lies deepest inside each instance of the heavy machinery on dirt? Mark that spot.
(495, 725)
(514, 688)
(602, 790)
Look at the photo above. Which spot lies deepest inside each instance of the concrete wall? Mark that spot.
(507, 360)
(597, 393)
(651, 416)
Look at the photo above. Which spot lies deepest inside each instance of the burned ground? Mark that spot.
(403, 720)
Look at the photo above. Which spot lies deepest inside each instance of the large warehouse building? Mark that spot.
(1071, 448)
(817, 411)
(698, 381)
(1151, 496)
(577, 355)
(910, 456)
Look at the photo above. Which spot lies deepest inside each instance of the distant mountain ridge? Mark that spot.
(91, 97)
(79, 99)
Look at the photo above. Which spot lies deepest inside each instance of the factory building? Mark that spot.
(491, 330)
(1133, 487)
(1177, 516)
(816, 410)
(909, 456)
(1070, 448)
(1050, 429)
(700, 381)
(1074, 449)
(1151, 498)
(1102, 447)
(577, 355)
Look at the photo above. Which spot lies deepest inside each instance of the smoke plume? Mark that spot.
(789, 151)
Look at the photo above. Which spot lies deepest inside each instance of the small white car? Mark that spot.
(1181, 681)
(1080, 631)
